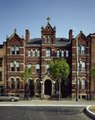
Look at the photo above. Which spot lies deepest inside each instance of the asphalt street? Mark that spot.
(42, 113)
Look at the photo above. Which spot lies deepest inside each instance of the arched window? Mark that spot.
(12, 66)
(83, 84)
(17, 66)
(48, 52)
(47, 68)
(83, 66)
(12, 83)
(17, 83)
(17, 49)
(12, 50)
(79, 84)
(38, 68)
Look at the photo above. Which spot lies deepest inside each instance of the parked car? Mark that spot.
(6, 97)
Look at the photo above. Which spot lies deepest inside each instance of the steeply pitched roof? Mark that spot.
(59, 42)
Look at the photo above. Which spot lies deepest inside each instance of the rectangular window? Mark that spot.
(67, 53)
(12, 50)
(17, 66)
(48, 52)
(83, 66)
(17, 49)
(0, 76)
(37, 68)
(0, 62)
(29, 53)
(62, 53)
(58, 52)
(12, 66)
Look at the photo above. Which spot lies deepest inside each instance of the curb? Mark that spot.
(90, 113)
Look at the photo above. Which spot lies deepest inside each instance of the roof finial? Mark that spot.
(48, 19)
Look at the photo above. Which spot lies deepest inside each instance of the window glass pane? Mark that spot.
(48, 52)
(33, 53)
(62, 53)
(29, 53)
(12, 64)
(37, 66)
(67, 53)
(17, 64)
(29, 65)
(58, 53)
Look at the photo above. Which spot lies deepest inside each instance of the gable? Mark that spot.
(14, 40)
(82, 39)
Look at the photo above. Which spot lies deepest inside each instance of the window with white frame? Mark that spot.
(83, 84)
(12, 66)
(67, 53)
(29, 65)
(79, 84)
(37, 68)
(83, 66)
(81, 49)
(38, 53)
(33, 53)
(58, 53)
(47, 68)
(48, 52)
(12, 50)
(17, 66)
(29, 53)
(62, 53)
(17, 49)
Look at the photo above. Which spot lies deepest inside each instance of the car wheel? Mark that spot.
(12, 99)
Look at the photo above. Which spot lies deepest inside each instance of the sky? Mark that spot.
(31, 14)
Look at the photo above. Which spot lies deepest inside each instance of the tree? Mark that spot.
(25, 76)
(93, 75)
(59, 70)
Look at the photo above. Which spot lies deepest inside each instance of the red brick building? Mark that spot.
(38, 52)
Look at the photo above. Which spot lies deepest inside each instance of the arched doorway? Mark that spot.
(31, 87)
(48, 87)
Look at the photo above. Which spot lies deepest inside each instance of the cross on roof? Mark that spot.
(48, 19)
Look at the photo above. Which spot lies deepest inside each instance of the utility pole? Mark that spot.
(77, 96)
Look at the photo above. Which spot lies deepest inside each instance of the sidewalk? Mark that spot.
(91, 111)
(39, 102)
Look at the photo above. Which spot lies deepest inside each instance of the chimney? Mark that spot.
(70, 34)
(27, 36)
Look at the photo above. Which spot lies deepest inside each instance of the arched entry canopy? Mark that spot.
(47, 86)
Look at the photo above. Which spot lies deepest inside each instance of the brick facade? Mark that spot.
(17, 53)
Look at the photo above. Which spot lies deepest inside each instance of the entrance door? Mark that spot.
(48, 87)
(31, 87)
